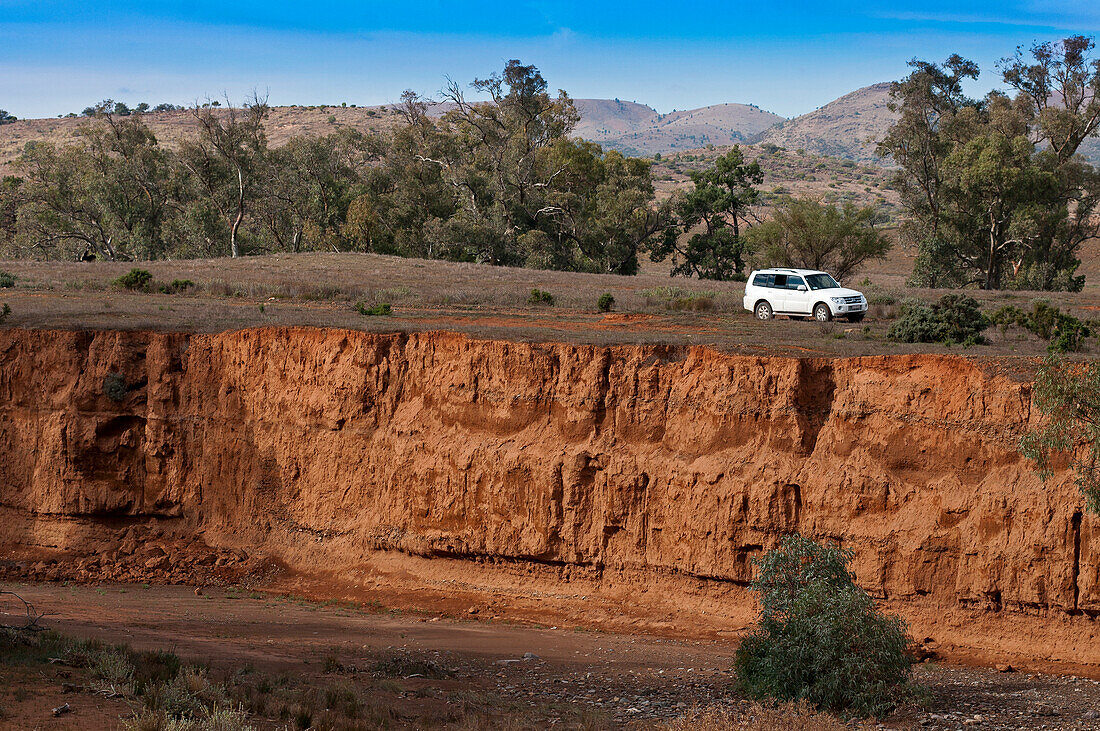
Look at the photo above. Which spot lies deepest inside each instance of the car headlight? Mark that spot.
(837, 300)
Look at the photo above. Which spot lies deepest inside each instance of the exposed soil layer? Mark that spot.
(618, 485)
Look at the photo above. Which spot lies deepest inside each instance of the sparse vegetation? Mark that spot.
(1067, 394)
(605, 303)
(819, 637)
(1065, 332)
(177, 286)
(6, 280)
(134, 280)
(5, 311)
(540, 297)
(375, 310)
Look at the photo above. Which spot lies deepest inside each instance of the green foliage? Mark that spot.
(115, 387)
(177, 286)
(500, 181)
(135, 279)
(1067, 394)
(819, 636)
(540, 297)
(954, 319)
(6, 280)
(376, 310)
(1065, 332)
(5, 311)
(719, 202)
(807, 234)
(987, 203)
(605, 302)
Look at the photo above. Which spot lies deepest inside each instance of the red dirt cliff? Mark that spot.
(645, 467)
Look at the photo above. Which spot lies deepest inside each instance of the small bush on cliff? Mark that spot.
(6, 280)
(5, 310)
(135, 279)
(605, 302)
(820, 637)
(115, 387)
(382, 308)
(540, 297)
(954, 319)
(1067, 394)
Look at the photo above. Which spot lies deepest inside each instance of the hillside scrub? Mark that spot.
(499, 182)
(819, 637)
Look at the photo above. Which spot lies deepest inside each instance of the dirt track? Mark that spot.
(611, 679)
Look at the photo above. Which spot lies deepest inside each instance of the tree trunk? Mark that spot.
(234, 250)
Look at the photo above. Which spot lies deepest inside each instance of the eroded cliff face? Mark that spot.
(324, 447)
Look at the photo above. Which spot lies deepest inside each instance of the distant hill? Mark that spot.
(639, 130)
(847, 127)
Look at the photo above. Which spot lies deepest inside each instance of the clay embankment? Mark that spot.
(639, 470)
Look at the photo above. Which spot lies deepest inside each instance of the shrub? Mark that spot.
(695, 304)
(954, 319)
(177, 286)
(7, 280)
(135, 279)
(1065, 332)
(539, 297)
(382, 308)
(5, 310)
(115, 387)
(605, 302)
(820, 637)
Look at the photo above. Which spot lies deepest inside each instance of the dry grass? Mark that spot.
(324, 289)
(789, 717)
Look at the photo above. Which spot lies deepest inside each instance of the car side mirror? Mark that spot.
(802, 288)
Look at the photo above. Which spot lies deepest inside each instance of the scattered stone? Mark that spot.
(472, 610)
(531, 656)
(1005, 668)
(198, 591)
(1091, 715)
(1045, 709)
(62, 709)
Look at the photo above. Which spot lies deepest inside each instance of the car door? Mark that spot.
(796, 297)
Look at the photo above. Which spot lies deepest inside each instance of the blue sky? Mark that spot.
(58, 56)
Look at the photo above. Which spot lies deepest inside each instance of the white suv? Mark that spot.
(801, 293)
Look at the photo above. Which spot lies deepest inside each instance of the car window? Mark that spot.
(794, 282)
(821, 281)
(763, 280)
(780, 281)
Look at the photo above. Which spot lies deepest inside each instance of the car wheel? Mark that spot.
(857, 317)
(822, 313)
(764, 311)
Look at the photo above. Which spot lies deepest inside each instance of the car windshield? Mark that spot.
(821, 281)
